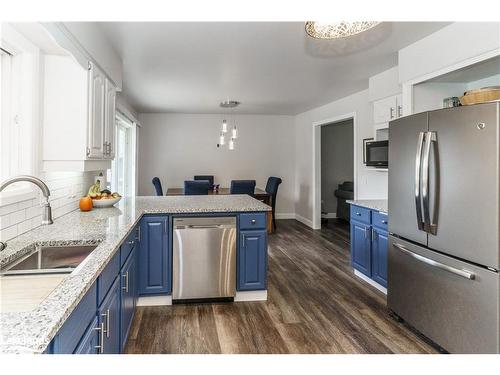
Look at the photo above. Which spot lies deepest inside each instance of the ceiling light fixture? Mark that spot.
(334, 30)
(230, 104)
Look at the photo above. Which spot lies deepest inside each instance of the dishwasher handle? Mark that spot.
(194, 226)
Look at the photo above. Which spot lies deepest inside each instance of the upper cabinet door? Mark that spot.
(385, 110)
(109, 121)
(97, 95)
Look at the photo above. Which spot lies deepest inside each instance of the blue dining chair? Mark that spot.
(157, 184)
(206, 178)
(243, 187)
(272, 188)
(200, 187)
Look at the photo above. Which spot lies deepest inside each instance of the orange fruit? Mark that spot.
(86, 204)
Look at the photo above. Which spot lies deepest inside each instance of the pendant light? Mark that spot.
(230, 104)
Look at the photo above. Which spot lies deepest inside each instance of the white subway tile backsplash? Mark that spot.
(4, 221)
(8, 233)
(4, 210)
(17, 217)
(33, 211)
(66, 189)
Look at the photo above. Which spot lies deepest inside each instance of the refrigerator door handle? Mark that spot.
(433, 263)
(429, 227)
(418, 166)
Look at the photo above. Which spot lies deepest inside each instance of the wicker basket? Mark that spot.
(484, 95)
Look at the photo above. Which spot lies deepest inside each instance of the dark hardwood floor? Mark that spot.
(315, 305)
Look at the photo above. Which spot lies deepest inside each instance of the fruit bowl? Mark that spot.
(105, 202)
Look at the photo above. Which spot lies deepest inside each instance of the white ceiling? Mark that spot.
(271, 67)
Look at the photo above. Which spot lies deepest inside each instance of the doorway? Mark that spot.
(334, 167)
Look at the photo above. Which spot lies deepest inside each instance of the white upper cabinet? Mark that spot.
(97, 96)
(78, 113)
(109, 121)
(387, 109)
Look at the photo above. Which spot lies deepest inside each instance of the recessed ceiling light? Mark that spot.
(333, 30)
(229, 104)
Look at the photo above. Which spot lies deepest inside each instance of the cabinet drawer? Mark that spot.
(380, 220)
(253, 221)
(127, 247)
(107, 277)
(360, 214)
(75, 326)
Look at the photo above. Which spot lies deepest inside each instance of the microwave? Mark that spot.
(376, 154)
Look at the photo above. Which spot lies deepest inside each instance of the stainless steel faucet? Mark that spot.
(47, 210)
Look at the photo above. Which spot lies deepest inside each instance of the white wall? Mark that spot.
(371, 184)
(337, 158)
(384, 84)
(175, 147)
(450, 45)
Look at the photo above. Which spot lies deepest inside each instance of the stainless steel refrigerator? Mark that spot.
(444, 224)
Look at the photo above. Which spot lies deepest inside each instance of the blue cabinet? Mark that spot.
(90, 341)
(155, 257)
(109, 320)
(128, 288)
(252, 260)
(369, 243)
(380, 242)
(361, 247)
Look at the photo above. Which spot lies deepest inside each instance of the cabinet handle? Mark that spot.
(106, 315)
(400, 111)
(358, 213)
(125, 288)
(242, 240)
(253, 221)
(101, 335)
(138, 234)
(366, 232)
(131, 242)
(391, 112)
(384, 221)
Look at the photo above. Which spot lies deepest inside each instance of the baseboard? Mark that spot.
(329, 215)
(370, 281)
(154, 301)
(285, 216)
(303, 220)
(251, 295)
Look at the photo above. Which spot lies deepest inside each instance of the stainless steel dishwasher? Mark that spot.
(204, 257)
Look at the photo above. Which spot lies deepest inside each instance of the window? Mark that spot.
(11, 127)
(19, 107)
(123, 166)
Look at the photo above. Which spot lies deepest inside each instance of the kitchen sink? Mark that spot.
(49, 260)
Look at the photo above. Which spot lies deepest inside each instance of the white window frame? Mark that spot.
(122, 121)
(24, 133)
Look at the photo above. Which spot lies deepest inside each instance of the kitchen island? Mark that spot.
(112, 230)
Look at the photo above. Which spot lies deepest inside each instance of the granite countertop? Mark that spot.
(373, 204)
(32, 331)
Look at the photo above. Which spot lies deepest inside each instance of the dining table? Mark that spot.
(259, 194)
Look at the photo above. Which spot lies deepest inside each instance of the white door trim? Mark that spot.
(316, 147)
